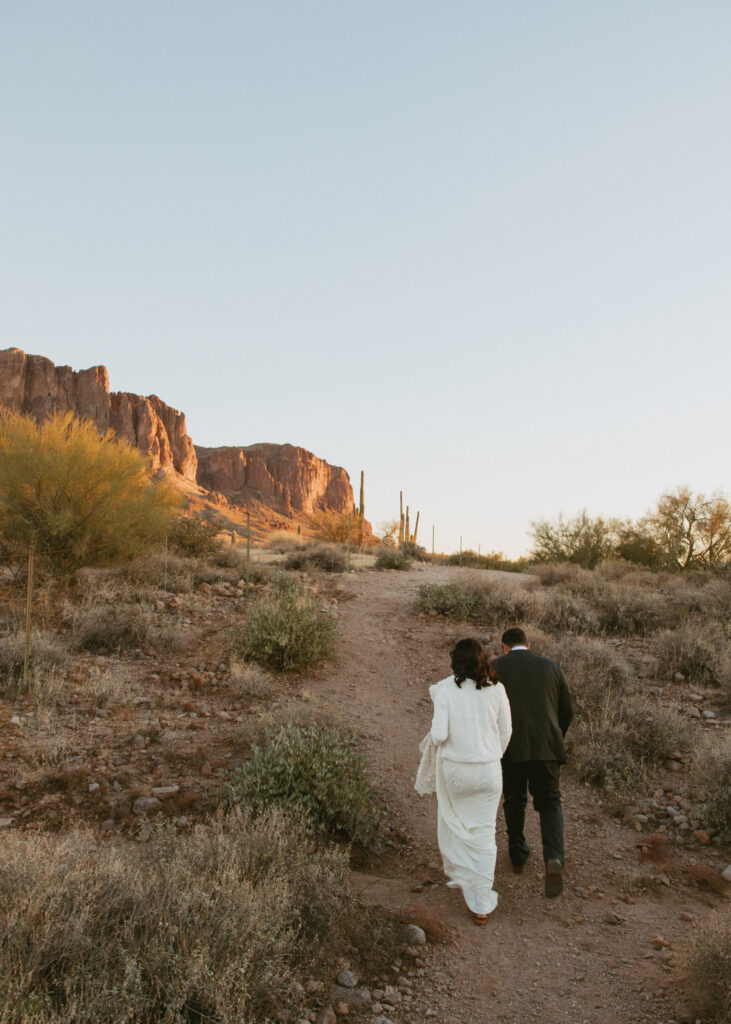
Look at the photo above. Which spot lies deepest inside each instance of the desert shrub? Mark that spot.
(47, 657)
(700, 650)
(193, 536)
(325, 557)
(81, 497)
(706, 967)
(213, 925)
(508, 604)
(287, 629)
(392, 558)
(562, 611)
(490, 560)
(249, 680)
(124, 627)
(599, 753)
(711, 781)
(627, 610)
(281, 542)
(413, 550)
(107, 685)
(453, 601)
(654, 732)
(316, 770)
(596, 673)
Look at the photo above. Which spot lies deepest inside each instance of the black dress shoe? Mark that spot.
(554, 878)
(517, 868)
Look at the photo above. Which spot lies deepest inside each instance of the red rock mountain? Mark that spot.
(289, 481)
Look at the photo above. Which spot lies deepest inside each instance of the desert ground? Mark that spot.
(606, 952)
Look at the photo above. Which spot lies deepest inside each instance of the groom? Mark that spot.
(542, 709)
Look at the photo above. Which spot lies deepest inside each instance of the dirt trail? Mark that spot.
(589, 957)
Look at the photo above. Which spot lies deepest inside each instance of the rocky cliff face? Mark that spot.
(289, 480)
(34, 385)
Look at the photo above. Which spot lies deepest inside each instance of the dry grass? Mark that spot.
(47, 664)
(711, 782)
(126, 627)
(250, 681)
(707, 971)
(700, 650)
(107, 686)
(317, 558)
(213, 925)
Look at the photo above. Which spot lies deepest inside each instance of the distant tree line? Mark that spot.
(683, 531)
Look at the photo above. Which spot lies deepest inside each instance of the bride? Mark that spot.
(471, 728)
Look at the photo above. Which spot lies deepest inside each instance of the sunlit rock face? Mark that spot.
(286, 478)
(34, 385)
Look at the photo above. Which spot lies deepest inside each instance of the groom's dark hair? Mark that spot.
(514, 636)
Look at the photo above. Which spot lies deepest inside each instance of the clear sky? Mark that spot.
(481, 250)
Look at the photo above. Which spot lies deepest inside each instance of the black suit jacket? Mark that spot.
(540, 706)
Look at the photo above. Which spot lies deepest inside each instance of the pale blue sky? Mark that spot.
(480, 250)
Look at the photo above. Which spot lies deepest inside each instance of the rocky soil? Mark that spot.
(603, 953)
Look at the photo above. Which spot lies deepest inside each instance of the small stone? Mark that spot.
(204, 588)
(702, 837)
(15, 720)
(6, 822)
(143, 804)
(726, 873)
(679, 677)
(108, 825)
(138, 741)
(416, 934)
(660, 943)
(673, 766)
(391, 995)
(159, 606)
(376, 1008)
(342, 1009)
(693, 712)
(355, 997)
(206, 768)
(326, 1016)
(312, 986)
(174, 602)
(707, 714)
(685, 916)
(94, 787)
(165, 792)
(347, 979)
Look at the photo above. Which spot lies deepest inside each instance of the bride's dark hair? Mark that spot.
(469, 661)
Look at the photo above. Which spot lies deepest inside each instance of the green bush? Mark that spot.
(194, 536)
(316, 770)
(219, 924)
(287, 629)
(81, 497)
(453, 601)
(325, 557)
(392, 558)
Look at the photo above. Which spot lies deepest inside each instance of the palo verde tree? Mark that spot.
(78, 497)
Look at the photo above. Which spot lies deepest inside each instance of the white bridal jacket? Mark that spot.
(470, 725)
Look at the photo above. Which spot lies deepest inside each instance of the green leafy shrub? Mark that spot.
(194, 536)
(217, 925)
(325, 557)
(392, 558)
(287, 629)
(316, 770)
(81, 497)
(452, 600)
(706, 966)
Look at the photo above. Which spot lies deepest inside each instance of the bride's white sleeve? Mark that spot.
(504, 719)
(440, 721)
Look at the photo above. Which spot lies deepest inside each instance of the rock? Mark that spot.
(679, 677)
(138, 741)
(347, 979)
(159, 606)
(145, 804)
(312, 986)
(204, 588)
(173, 602)
(354, 997)
(342, 1009)
(702, 837)
(693, 712)
(673, 766)
(6, 822)
(726, 873)
(206, 768)
(382, 1020)
(685, 916)
(165, 792)
(391, 995)
(107, 825)
(327, 1016)
(15, 720)
(94, 787)
(416, 934)
(708, 715)
(660, 943)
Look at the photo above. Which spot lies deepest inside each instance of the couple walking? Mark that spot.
(498, 727)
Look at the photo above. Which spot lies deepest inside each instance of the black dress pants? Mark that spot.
(541, 778)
